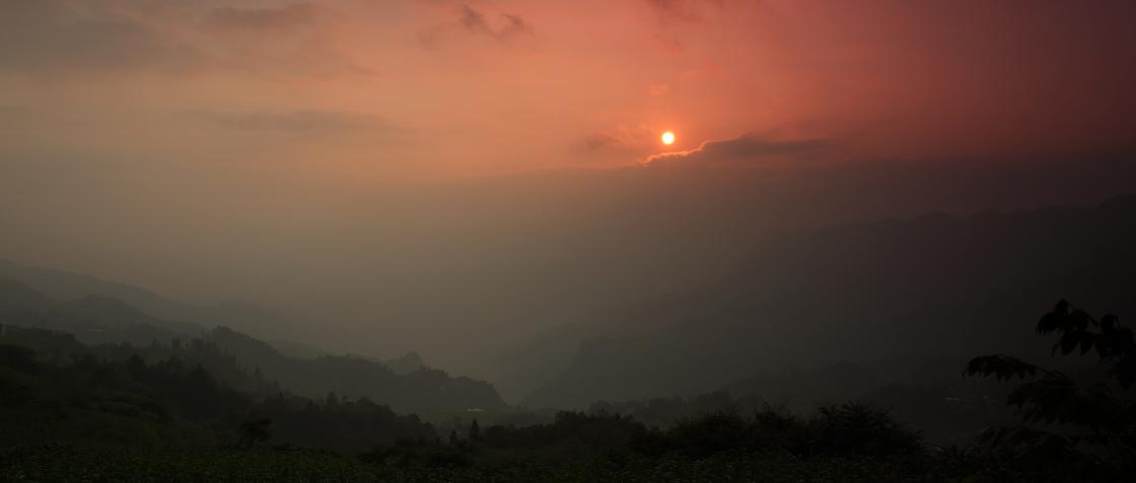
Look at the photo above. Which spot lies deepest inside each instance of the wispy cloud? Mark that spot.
(53, 37)
(67, 40)
(468, 20)
(296, 122)
(282, 18)
(673, 14)
(288, 17)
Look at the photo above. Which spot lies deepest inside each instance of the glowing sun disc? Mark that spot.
(668, 138)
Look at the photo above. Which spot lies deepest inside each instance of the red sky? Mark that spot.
(369, 90)
(220, 147)
(217, 134)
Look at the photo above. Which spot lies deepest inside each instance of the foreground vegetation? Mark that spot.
(682, 456)
(102, 464)
(849, 442)
(73, 413)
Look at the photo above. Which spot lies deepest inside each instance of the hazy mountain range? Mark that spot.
(936, 286)
(95, 318)
(930, 288)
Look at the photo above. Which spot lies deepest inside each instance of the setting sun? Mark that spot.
(668, 138)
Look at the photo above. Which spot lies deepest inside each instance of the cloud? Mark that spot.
(683, 11)
(742, 148)
(672, 14)
(471, 21)
(514, 26)
(298, 39)
(676, 10)
(599, 141)
(52, 36)
(67, 39)
(288, 17)
(621, 140)
(296, 122)
(474, 22)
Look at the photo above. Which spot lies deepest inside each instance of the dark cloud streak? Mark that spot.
(743, 148)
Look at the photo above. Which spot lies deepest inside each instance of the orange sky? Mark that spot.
(320, 153)
(365, 91)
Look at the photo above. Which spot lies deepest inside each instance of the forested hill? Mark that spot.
(66, 286)
(93, 319)
(422, 391)
(54, 388)
(100, 320)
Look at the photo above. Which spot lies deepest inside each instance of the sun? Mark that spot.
(668, 138)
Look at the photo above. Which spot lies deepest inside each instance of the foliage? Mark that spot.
(187, 411)
(112, 395)
(1085, 423)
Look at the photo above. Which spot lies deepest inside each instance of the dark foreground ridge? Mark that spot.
(113, 416)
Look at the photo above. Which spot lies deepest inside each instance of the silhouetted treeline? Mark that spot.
(839, 430)
(947, 409)
(112, 395)
(182, 404)
(1076, 426)
(616, 443)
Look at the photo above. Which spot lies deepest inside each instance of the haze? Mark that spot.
(462, 179)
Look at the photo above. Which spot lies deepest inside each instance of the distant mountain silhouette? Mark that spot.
(54, 388)
(92, 318)
(406, 364)
(424, 390)
(915, 288)
(70, 286)
(409, 387)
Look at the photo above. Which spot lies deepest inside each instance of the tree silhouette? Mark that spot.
(253, 432)
(474, 432)
(1089, 418)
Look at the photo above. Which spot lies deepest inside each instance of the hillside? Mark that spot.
(423, 391)
(53, 388)
(180, 317)
(919, 288)
(99, 320)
